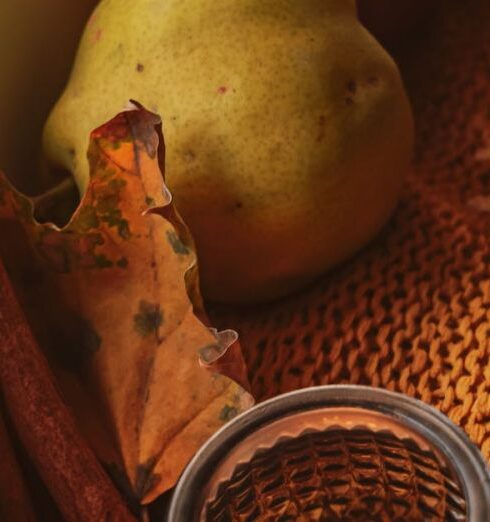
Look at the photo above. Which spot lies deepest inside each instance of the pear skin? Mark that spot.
(287, 127)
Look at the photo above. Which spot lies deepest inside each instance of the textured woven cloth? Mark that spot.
(411, 313)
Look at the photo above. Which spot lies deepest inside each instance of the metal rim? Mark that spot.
(451, 440)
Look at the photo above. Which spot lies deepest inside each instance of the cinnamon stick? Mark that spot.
(76, 480)
(15, 503)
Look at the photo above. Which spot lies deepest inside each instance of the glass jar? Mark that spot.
(336, 453)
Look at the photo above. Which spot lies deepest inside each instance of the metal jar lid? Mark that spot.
(380, 429)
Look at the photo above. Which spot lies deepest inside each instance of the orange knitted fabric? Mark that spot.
(410, 313)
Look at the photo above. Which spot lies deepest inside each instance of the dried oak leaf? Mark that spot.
(117, 291)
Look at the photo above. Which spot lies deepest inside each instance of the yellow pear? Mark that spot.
(287, 127)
